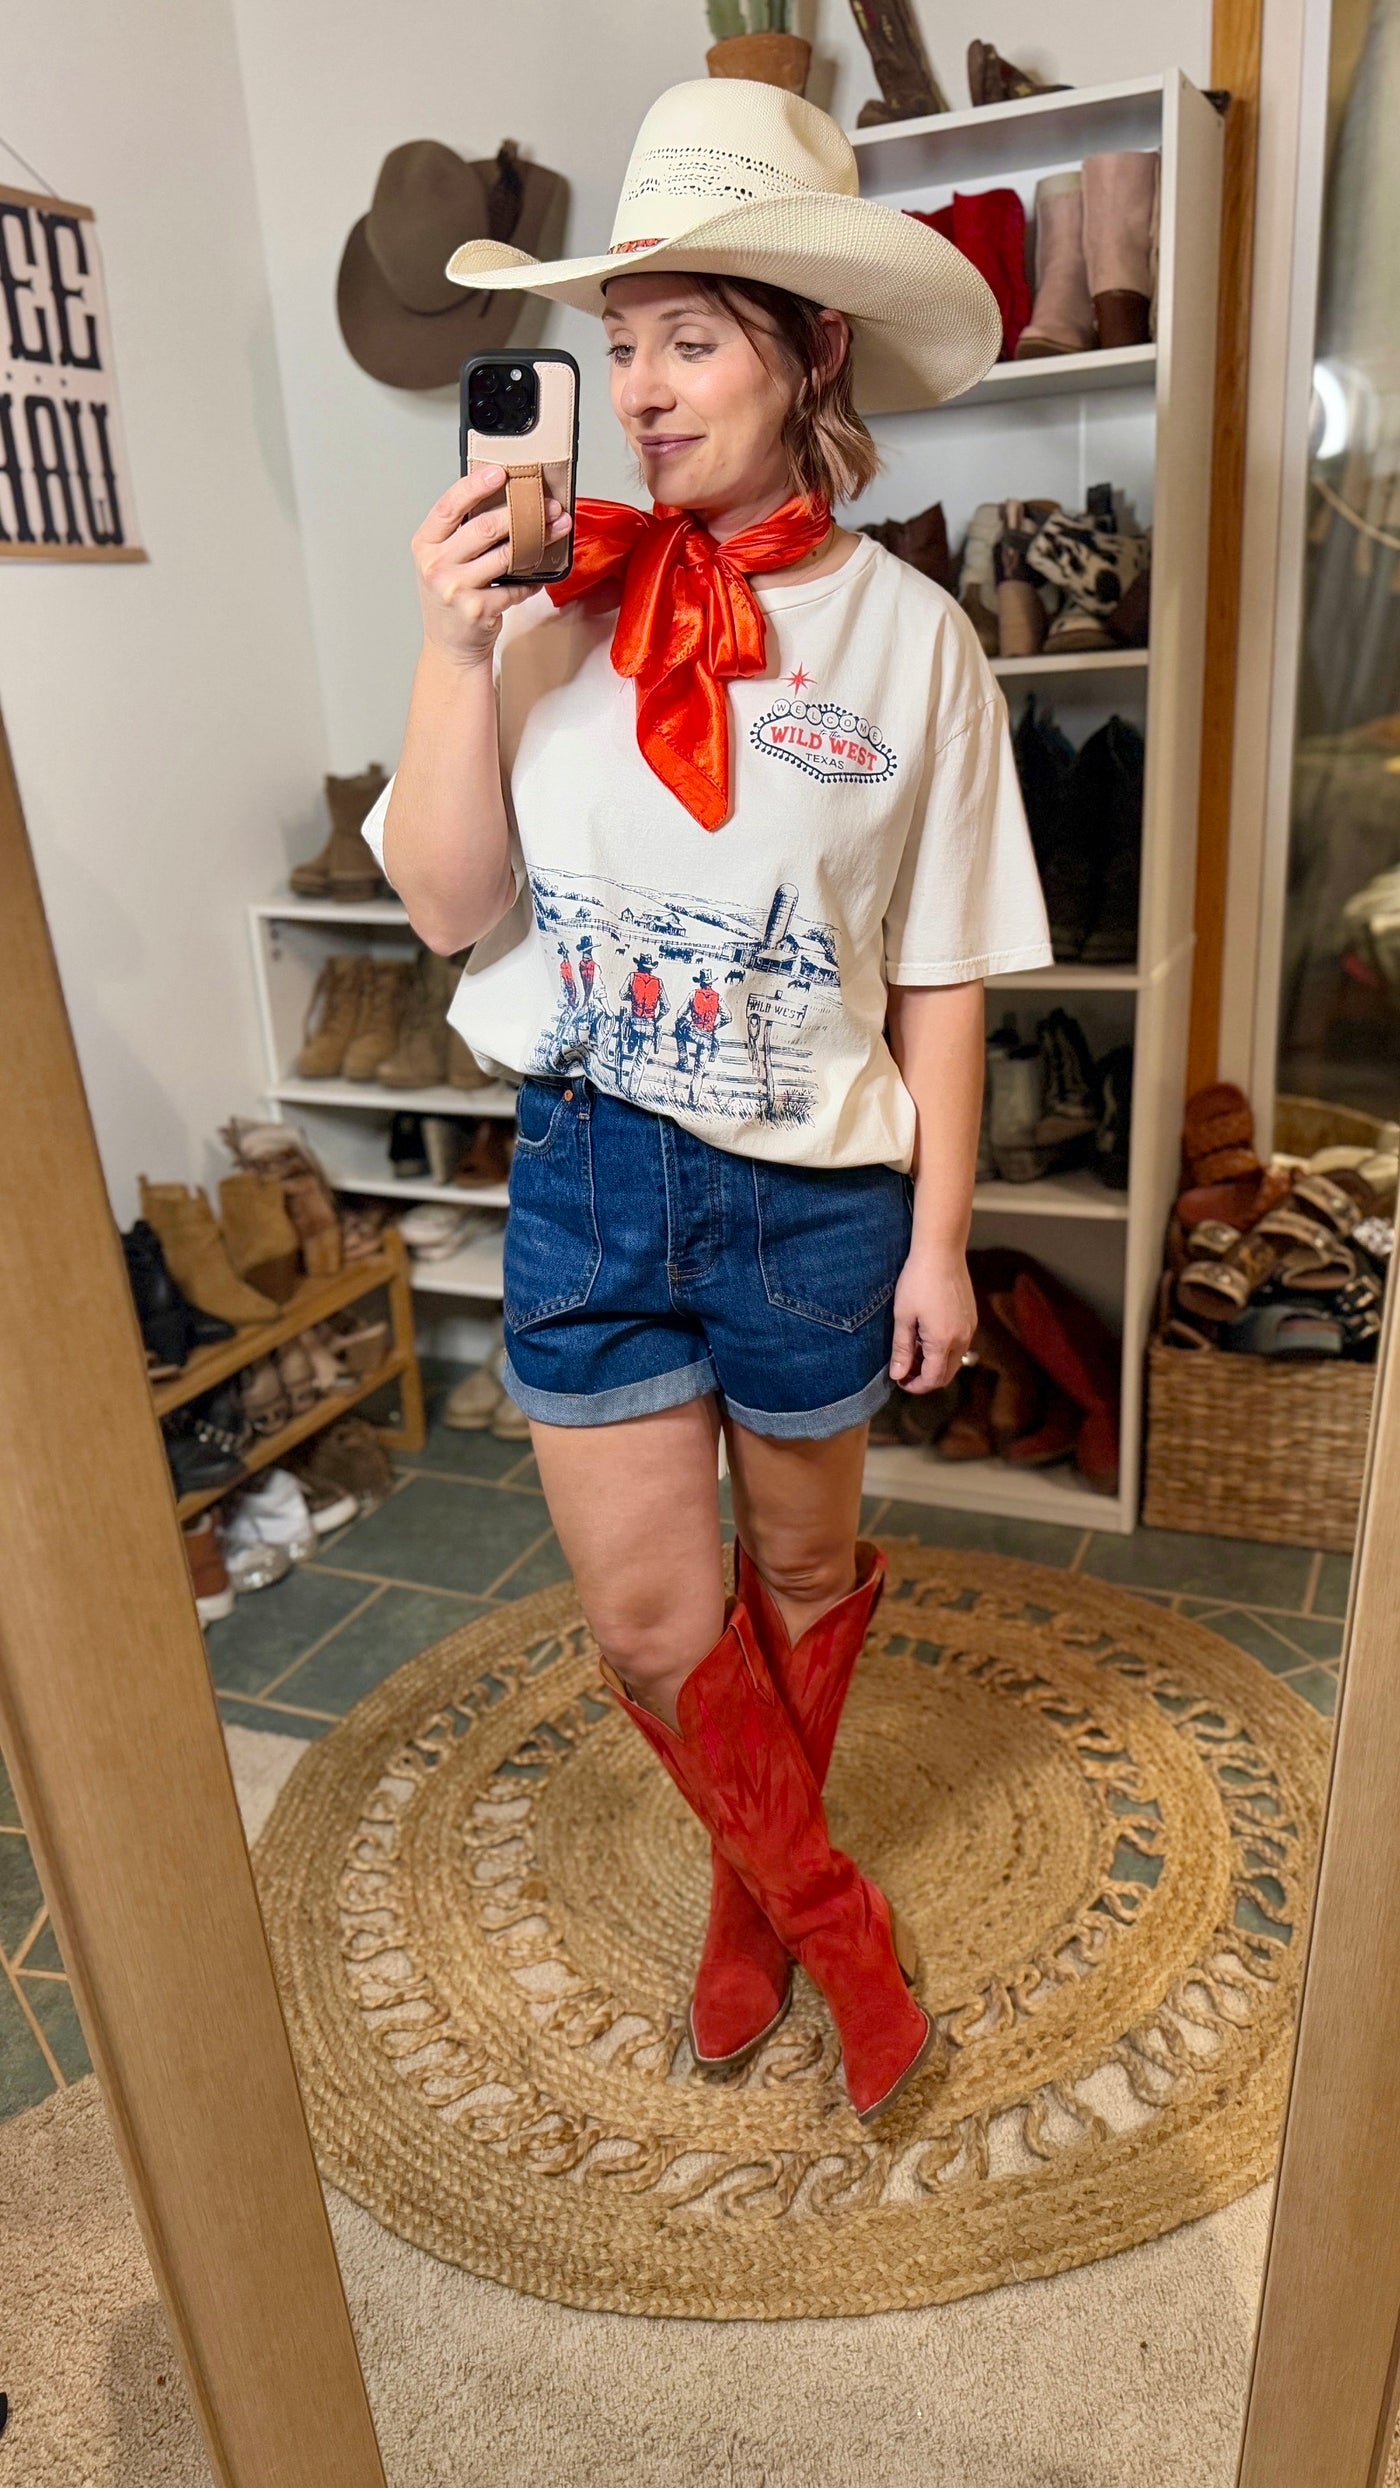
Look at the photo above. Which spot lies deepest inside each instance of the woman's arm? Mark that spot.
(446, 834)
(938, 1038)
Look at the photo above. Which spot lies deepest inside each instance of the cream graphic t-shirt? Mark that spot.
(735, 979)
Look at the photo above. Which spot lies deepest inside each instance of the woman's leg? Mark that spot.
(797, 1510)
(636, 1509)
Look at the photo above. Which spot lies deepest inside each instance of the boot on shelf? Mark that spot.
(486, 1159)
(170, 1325)
(345, 869)
(977, 586)
(262, 1242)
(213, 1594)
(743, 1983)
(770, 1827)
(463, 1069)
(1016, 1075)
(332, 1018)
(1062, 315)
(419, 1060)
(196, 1255)
(376, 1031)
(1072, 1345)
(994, 80)
(1021, 616)
(313, 1214)
(1105, 797)
(1120, 244)
(282, 1153)
(922, 542)
(989, 228)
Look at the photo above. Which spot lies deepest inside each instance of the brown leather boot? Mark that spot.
(313, 1214)
(377, 1020)
(262, 1242)
(419, 1060)
(486, 1159)
(345, 869)
(332, 1018)
(196, 1257)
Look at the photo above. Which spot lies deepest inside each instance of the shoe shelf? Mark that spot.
(294, 910)
(315, 1301)
(1086, 663)
(473, 1271)
(1078, 1194)
(1140, 417)
(463, 1103)
(1060, 1495)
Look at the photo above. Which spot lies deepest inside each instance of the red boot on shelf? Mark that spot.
(738, 1763)
(1067, 1338)
(743, 1983)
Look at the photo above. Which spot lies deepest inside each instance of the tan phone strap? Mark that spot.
(525, 507)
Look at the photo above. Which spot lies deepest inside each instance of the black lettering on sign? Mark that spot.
(104, 516)
(12, 474)
(49, 465)
(17, 280)
(64, 246)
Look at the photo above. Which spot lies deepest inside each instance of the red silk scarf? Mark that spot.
(689, 623)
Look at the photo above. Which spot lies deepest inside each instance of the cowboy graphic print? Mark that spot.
(716, 1009)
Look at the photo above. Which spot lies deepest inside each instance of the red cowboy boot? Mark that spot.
(738, 1762)
(743, 1984)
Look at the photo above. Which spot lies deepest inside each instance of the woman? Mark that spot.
(755, 773)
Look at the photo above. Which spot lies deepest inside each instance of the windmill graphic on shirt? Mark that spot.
(715, 1007)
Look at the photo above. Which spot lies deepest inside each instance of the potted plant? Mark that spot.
(754, 39)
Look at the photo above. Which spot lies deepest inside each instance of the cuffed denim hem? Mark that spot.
(629, 1399)
(815, 1424)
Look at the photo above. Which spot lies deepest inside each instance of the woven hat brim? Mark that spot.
(925, 324)
(412, 349)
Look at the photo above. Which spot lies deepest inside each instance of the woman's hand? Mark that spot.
(459, 553)
(935, 1315)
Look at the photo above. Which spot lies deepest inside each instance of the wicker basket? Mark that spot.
(1241, 1447)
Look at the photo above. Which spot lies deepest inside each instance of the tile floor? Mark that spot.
(467, 1530)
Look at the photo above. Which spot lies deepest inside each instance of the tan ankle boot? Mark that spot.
(1120, 244)
(463, 1069)
(261, 1240)
(313, 1214)
(377, 1022)
(196, 1257)
(419, 1060)
(1062, 316)
(332, 1018)
(345, 869)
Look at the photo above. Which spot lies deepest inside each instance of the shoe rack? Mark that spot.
(315, 1301)
(346, 1121)
(1140, 417)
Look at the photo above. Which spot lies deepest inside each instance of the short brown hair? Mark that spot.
(830, 452)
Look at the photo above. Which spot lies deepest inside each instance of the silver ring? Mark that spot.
(968, 1357)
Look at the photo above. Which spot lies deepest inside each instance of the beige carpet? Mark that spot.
(1129, 2369)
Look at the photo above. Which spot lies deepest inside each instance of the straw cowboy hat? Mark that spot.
(731, 178)
(402, 319)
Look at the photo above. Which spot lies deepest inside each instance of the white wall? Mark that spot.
(333, 84)
(165, 719)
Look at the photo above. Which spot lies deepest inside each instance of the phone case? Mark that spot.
(537, 463)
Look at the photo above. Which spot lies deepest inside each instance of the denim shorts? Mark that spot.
(644, 1267)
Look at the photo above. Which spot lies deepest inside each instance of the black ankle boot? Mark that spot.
(1111, 1139)
(1064, 857)
(1106, 792)
(170, 1325)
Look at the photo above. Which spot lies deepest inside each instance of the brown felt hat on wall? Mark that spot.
(403, 319)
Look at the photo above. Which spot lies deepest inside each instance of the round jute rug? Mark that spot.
(485, 1901)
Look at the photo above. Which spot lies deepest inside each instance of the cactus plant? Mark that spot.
(729, 18)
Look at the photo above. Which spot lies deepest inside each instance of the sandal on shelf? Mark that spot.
(265, 1402)
(298, 1376)
(327, 1372)
(1289, 1333)
(1320, 1269)
(1328, 1201)
(1219, 1290)
(360, 1345)
(1213, 1240)
(1193, 1336)
(1241, 1202)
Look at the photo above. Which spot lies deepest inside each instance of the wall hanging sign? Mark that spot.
(65, 489)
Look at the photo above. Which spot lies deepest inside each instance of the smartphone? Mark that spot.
(520, 412)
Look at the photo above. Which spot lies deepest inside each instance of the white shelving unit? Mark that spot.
(347, 1121)
(1141, 419)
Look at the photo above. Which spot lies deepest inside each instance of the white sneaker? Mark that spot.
(433, 1230)
(251, 1561)
(276, 1506)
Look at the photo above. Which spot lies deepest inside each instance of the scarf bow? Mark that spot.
(688, 623)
